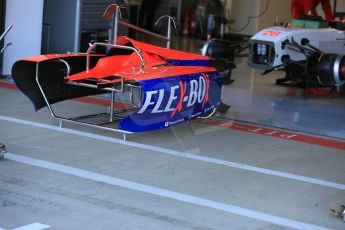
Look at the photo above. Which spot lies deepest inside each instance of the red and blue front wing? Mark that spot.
(172, 100)
(175, 86)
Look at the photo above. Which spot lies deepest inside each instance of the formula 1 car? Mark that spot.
(172, 86)
(222, 46)
(309, 51)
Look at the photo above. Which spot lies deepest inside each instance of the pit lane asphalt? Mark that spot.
(63, 200)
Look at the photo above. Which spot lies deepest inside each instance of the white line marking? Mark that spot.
(34, 226)
(163, 192)
(181, 154)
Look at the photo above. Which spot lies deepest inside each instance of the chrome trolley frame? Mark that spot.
(114, 11)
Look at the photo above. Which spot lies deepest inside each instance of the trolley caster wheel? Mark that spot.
(338, 210)
(2, 151)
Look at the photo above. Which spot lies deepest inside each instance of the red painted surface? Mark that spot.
(128, 66)
(300, 8)
(5, 85)
(164, 52)
(124, 69)
(46, 57)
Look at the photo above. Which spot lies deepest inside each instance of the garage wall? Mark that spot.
(26, 18)
(340, 7)
(240, 13)
(277, 10)
(61, 21)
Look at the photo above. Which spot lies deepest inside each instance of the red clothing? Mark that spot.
(301, 8)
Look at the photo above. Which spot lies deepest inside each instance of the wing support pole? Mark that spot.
(113, 12)
(78, 120)
(171, 21)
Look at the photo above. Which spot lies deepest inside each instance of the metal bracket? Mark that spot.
(170, 20)
(4, 33)
(93, 46)
(113, 13)
(5, 46)
(3, 36)
(77, 120)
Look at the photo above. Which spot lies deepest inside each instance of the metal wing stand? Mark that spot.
(3, 36)
(112, 12)
(92, 83)
(2, 146)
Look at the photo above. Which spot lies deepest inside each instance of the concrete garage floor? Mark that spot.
(220, 173)
(255, 98)
(217, 174)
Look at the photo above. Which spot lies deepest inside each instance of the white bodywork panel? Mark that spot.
(266, 48)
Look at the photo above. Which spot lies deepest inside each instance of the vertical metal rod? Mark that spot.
(222, 30)
(116, 20)
(131, 96)
(170, 20)
(42, 92)
(112, 102)
(169, 33)
(77, 30)
(88, 59)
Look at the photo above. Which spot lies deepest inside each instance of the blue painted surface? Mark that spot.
(170, 101)
(188, 62)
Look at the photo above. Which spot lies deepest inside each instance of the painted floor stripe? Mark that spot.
(286, 135)
(180, 154)
(6, 85)
(102, 102)
(88, 100)
(34, 226)
(255, 129)
(163, 193)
